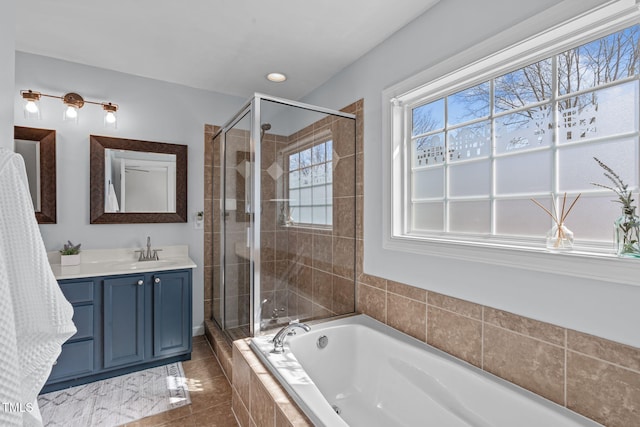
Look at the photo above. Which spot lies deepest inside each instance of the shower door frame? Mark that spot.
(253, 107)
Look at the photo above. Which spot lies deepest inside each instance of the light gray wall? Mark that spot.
(7, 70)
(150, 110)
(601, 308)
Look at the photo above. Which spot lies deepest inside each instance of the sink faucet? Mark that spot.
(281, 336)
(148, 256)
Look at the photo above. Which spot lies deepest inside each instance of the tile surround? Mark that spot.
(597, 378)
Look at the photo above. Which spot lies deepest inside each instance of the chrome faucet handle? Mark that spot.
(281, 336)
(155, 254)
(141, 257)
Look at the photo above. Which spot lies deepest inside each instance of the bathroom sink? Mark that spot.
(139, 265)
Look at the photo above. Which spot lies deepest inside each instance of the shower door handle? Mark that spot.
(248, 237)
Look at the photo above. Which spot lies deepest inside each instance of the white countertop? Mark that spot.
(106, 262)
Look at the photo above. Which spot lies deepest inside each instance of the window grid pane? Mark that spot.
(310, 188)
(526, 123)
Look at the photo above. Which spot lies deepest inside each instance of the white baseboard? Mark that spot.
(198, 330)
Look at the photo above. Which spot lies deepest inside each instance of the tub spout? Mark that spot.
(281, 336)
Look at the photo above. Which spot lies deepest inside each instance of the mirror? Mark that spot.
(136, 181)
(38, 149)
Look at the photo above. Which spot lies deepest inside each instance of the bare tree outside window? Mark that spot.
(587, 93)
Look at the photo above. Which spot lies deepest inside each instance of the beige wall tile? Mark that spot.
(407, 315)
(343, 295)
(623, 355)
(372, 302)
(344, 224)
(240, 410)
(217, 174)
(320, 312)
(343, 257)
(359, 216)
(532, 364)
(533, 328)
(344, 136)
(305, 281)
(242, 375)
(456, 305)
(323, 289)
(322, 252)
(208, 309)
(457, 335)
(375, 281)
(606, 393)
(344, 177)
(208, 282)
(407, 291)
(282, 245)
(304, 246)
(261, 406)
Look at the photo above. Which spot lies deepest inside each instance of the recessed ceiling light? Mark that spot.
(276, 77)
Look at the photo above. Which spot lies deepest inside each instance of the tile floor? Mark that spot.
(210, 394)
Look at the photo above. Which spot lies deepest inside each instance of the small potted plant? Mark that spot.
(70, 254)
(627, 226)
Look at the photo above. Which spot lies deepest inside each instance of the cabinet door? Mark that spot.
(123, 320)
(171, 313)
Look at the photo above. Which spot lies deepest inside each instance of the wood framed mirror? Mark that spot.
(135, 181)
(38, 149)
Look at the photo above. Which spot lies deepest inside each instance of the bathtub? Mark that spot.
(369, 374)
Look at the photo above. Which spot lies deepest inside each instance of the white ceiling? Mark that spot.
(226, 46)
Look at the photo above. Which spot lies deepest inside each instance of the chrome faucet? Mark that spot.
(281, 336)
(148, 256)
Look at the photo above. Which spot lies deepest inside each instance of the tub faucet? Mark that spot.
(278, 340)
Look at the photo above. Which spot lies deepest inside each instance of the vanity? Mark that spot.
(130, 314)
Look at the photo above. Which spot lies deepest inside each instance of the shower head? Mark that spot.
(265, 127)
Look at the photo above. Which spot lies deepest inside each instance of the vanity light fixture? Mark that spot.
(276, 77)
(72, 105)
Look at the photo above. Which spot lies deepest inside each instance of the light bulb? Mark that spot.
(110, 117)
(31, 107)
(71, 112)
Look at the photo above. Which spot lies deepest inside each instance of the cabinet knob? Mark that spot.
(156, 280)
(140, 282)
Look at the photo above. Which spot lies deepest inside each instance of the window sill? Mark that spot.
(575, 263)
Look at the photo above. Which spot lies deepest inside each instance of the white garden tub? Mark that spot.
(369, 374)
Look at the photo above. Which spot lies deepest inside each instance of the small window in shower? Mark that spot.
(310, 172)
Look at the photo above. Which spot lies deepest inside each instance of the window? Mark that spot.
(310, 185)
(475, 152)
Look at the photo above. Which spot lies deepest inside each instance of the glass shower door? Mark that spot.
(237, 217)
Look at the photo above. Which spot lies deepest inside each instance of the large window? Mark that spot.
(474, 156)
(310, 185)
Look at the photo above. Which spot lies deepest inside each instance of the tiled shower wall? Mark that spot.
(321, 262)
(305, 272)
(592, 376)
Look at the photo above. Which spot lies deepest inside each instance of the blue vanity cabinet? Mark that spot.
(123, 310)
(125, 323)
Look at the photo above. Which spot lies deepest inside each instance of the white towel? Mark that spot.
(112, 200)
(35, 317)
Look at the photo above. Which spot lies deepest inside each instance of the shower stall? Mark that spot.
(284, 218)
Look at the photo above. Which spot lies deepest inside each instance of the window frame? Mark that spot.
(458, 73)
